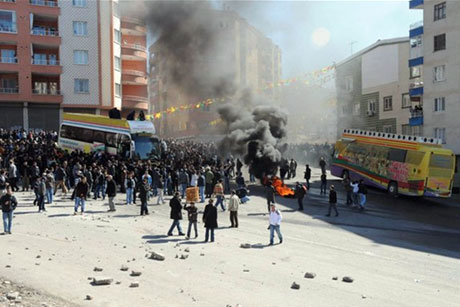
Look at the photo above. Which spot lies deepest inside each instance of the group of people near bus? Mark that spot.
(33, 162)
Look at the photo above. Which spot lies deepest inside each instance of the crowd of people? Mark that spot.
(33, 161)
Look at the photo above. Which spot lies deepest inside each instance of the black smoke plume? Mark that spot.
(189, 34)
(258, 134)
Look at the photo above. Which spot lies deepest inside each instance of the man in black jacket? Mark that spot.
(192, 213)
(332, 201)
(176, 214)
(210, 220)
(300, 192)
(81, 192)
(144, 189)
(111, 192)
(8, 203)
(307, 175)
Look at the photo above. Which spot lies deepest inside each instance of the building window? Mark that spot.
(440, 104)
(356, 109)
(79, 3)
(39, 59)
(405, 129)
(405, 101)
(439, 73)
(117, 36)
(80, 28)
(81, 86)
(118, 89)
(117, 63)
(415, 72)
(440, 133)
(387, 103)
(440, 11)
(388, 129)
(349, 83)
(8, 21)
(440, 42)
(416, 41)
(80, 57)
(371, 107)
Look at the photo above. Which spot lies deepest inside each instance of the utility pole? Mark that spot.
(351, 46)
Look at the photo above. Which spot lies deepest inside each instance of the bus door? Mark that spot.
(440, 172)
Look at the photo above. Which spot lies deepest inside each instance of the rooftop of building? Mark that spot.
(378, 43)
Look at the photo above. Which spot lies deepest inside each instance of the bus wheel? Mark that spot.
(393, 189)
(345, 174)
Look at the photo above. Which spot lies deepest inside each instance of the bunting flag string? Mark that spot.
(315, 78)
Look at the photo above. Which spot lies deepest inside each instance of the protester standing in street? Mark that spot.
(130, 185)
(192, 214)
(13, 176)
(362, 193)
(269, 194)
(355, 189)
(210, 220)
(201, 181)
(176, 214)
(322, 165)
(348, 190)
(160, 191)
(209, 177)
(275, 223)
(9, 204)
(81, 193)
(233, 206)
(144, 190)
(332, 201)
(41, 191)
(323, 184)
(111, 192)
(307, 175)
(300, 192)
(219, 192)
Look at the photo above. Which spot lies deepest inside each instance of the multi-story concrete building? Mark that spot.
(435, 45)
(64, 56)
(372, 88)
(250, 60)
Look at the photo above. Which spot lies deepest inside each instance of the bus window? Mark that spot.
(397, 155)
(99, 136)
(111, 139)
(414, 157)
(124, 145)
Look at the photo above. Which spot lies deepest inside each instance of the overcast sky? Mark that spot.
(313, 34)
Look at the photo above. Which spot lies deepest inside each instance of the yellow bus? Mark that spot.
(400, 164)
(90, 133)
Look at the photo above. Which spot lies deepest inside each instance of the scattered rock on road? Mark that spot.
(97, 269)
(157, 256)
(347, 279)
(136, 273)
(124, 268)
(88, 297)
(310, 275)
(183, 256)
(134, 285)
(12, 296)
(102, 281)
(187, 250)
(245, 245)
(295, 286)
(335, 278)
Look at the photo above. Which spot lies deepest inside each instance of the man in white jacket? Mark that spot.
(233, 205)
(275, 222)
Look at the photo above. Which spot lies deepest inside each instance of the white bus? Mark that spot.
(128, 138)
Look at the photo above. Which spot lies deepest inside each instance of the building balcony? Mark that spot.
(417, 91)
(47, 96)
(8, 1)
(416, 118)
(46, 66)
(132, 26)
(133, 54)
(416, 4)
(416, 29)
(416, 62)
(44, 32)
(134, 47)
(133, 77)
(9, 90)
(44, 3)
(135, 102)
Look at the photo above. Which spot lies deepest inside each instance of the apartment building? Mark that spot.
(435, 71)
(373, 88)
(60, 56)
(249, 60)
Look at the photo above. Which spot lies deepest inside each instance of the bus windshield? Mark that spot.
(442, 161)
(146, 147)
